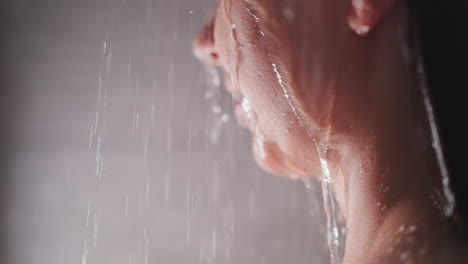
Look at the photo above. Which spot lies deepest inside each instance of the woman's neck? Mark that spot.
(384, 171)
(384, 187)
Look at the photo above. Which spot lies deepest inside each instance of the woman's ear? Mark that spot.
(366, 14)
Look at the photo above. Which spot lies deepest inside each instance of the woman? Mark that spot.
(332, 90)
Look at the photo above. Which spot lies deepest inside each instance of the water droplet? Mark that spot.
(401, 229)
(224, 118)
(260, 143)
(289, 13)
(362, 31)
(257, 19)
(404, 256)
(247, 108)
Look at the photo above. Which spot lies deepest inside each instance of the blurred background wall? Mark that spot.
(112, 152)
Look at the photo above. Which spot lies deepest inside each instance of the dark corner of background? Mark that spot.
(10, 76)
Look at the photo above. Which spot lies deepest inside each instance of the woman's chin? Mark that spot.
(270, 159)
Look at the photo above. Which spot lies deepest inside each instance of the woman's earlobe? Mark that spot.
(366, 14)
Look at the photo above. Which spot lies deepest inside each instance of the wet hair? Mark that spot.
(441, 31)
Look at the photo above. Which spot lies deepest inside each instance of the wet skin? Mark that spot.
(329, 80)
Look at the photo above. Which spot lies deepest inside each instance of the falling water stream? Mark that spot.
(335, 238)
(213, 96)
(449, 203)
